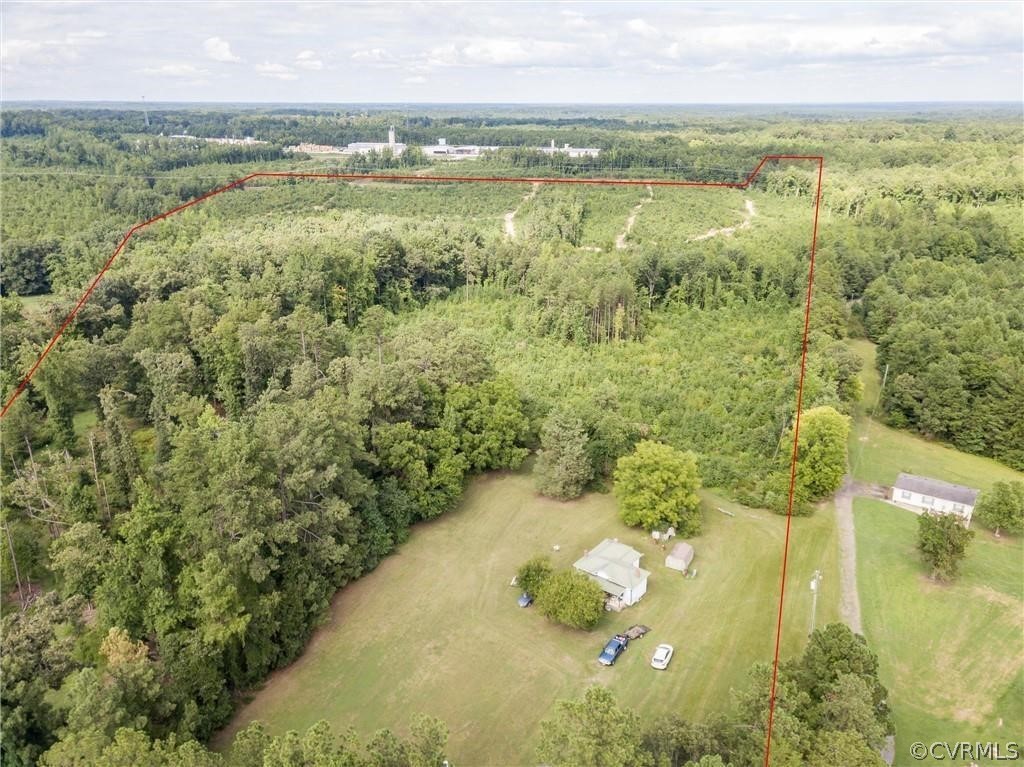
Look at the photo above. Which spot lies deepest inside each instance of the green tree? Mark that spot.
(847, 748)
(563, 465)
(592, 731)
(532, 574)
(571, 598)
(428, 742)
(35, 657)
(656, 487)
(80, 557)
(821, 451)
(1002, 507)
(942, 541)
(849, 706)
(488, 421)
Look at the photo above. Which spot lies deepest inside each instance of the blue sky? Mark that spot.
(513, 52)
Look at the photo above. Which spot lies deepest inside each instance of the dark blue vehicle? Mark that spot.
(615, 647)
(525, 600)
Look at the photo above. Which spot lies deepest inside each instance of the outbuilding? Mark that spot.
(680, 557)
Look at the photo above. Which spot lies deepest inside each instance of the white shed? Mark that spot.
(680, 557)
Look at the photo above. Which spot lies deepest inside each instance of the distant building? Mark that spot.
(442, 150)
(615, 567)
(365, 147)
(923, 494)
(247, 141)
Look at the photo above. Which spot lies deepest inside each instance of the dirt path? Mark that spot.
(749, 213)
(849, 599)
(510, 226)
(620, 239)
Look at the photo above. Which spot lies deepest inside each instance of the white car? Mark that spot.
(662, 656)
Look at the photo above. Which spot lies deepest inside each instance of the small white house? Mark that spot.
(615, 567)
(923, 494)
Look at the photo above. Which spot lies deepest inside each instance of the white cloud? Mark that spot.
(220, 50)
(540, 51)
(378, 56)
(276, 71)
(642, 28)
(415, 80)
(308, 60)
(174, 70)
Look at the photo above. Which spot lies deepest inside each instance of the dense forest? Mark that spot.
(270, 389)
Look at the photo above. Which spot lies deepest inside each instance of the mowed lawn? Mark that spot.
(951, 655)
(435, 628)
(878, 453)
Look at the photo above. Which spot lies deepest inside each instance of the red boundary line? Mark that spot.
(524, 180)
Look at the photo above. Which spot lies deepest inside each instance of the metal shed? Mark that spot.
(680, 557)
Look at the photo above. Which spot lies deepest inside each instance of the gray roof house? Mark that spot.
(615, 567)
(924, 494)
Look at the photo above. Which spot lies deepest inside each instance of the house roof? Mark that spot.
(937, 489)
(612, 564)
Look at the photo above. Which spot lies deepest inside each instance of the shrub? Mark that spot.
(571, 598)
(531, 576)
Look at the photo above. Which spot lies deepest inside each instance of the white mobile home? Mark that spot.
(923, 494)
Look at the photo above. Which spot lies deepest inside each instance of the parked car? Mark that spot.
(662, 656)
(615, 647)
(525, 600)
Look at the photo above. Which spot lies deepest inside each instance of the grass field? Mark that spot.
(950, 655)
(436, 628)
(878, 453)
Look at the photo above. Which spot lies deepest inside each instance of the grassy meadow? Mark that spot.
(436, 627)
(951, 655)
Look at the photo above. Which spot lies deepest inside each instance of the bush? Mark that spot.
(571, 598)
(942, 541)
(531, 576)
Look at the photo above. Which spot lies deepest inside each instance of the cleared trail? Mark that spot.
(510, 224)
(749, 213)
(620, 240)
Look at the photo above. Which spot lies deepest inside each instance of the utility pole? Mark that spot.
(815, 581)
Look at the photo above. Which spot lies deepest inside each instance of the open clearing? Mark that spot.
(950, 655)
(436, 627)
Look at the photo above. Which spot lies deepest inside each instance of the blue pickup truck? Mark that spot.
(615, 647)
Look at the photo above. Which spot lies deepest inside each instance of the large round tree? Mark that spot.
(821, 457)
(656, 486)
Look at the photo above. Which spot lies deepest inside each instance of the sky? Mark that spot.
(523, 52)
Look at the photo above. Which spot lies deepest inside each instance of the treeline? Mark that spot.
(830, 709)
(939, 287)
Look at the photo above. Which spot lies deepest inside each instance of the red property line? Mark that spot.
(524, 180)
